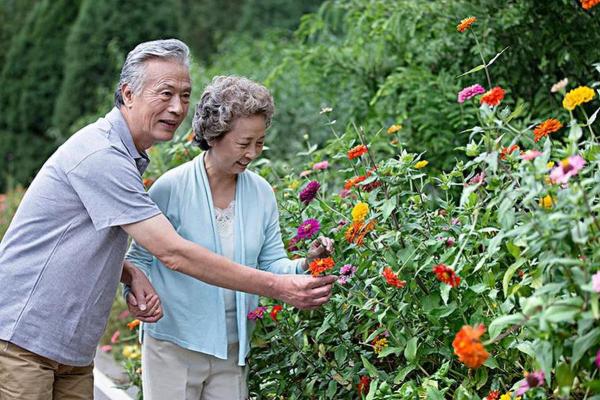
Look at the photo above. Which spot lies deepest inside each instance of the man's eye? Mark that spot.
(166, 94)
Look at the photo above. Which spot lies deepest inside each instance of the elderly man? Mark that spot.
(61, 258)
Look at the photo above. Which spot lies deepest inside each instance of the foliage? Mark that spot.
(8, 206)
(96, 47)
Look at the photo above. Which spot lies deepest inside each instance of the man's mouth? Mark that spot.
(172, 124)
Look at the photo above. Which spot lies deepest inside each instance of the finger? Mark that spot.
(140, 298)
(152, 310)
(131, 299)
(318, 281)
(320, 291)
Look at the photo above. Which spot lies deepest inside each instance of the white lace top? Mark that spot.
(225, 226)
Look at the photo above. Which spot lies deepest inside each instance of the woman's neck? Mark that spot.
(221, 182)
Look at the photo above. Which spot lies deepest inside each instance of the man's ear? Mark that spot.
(127, 95)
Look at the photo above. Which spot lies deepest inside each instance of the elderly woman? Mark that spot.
(198, 349)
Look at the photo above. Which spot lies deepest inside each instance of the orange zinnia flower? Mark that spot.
(587, 4)
(468, 347)
(493, 97)
(148, 182)
(357, 232)
(321, 265)
(547, 127)
(357, 151)
(465, 24)
(133, 324)
(274, 311)
(508, 150)
(392, 279)
(446, 274)
(350, 183)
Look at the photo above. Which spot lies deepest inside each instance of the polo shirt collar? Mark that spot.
(115, 117)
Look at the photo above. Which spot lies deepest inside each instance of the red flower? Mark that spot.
(357, 151)
(133, 324)
(587, 4)
(392, 279)
(363, 385)
(274, 311)
(493, 395)
(508, 150)
(446, 274)
(321, 265)
(468, 346)
(493, 97)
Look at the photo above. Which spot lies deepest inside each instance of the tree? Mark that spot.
(96, 47)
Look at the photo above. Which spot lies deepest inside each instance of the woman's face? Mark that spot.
(232, 153)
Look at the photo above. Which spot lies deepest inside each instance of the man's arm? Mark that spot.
(157, 235)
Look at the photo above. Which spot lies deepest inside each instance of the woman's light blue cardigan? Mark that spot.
(194, 312)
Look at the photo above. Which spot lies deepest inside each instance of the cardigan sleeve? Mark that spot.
(273, 257)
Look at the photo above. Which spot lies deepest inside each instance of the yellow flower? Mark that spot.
(394, 128)
(131, 352)
(294, 184)
(508, 396)
(360, 211)
(421, 164)
(578, 96)
(547, 201)
(550, 164)
(379, 345)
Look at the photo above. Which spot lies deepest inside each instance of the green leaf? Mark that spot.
(500, 323)
(496, 56)
(584, 343)
(477, 68)
(402, 373)
(389, 350)
(509, 274)
(372, 371)
(388, 207)
(340, 355)
(331, 389)
(564, 375)
(410, 351)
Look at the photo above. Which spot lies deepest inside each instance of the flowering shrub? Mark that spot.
(479, 282)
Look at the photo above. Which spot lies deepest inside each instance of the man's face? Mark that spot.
(157, 111)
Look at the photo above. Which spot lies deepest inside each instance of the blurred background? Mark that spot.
(375, 62)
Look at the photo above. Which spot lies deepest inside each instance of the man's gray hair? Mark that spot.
(132, 72)
(223, 101)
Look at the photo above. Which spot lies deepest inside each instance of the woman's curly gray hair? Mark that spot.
(223, 101)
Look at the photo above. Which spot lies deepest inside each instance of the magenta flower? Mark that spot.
(477, 179)
(596, 282)
(309, 193)
(292, 244)
(308, 228)
(321, 165)
(346, 273)
(532, 380)
(530, 155)
(470, 92)
(344, 193)
(257, 313)
(566, 169)
(598, 359)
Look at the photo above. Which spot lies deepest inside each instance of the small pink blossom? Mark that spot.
(470, 92)
(344, 193)
(598, 359)
(257, 313)
(566, 169)
(477, 179)
(321, 165)
(106, 348)
(346, 273)
(450, 242)
(533, 379)
(596, 282)
(530, 155)
(305, 173)
(115, 337)
(309, 193)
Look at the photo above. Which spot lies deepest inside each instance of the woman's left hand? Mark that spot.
(320, 248)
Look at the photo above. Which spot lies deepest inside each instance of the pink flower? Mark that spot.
(308, 228)
(477, 179)
(305, 173)
(309, 193)
(566, 169)
(346, 273)
(596, 282)
(106, 348)
(257, 313)
(470, 92)
(530, 155)
(321, 165)
(533, 379)
(344, 193)
(598, 359)
(115, 337)
(292, 244)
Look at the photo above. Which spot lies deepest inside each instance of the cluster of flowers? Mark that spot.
(259, 312)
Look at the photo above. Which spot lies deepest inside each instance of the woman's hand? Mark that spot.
(322, 247)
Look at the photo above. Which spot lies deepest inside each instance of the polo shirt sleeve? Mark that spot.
(111, 189)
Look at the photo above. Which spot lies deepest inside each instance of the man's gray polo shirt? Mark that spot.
(61, 258)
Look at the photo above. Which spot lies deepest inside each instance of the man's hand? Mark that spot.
(303, 291)
(143, 302)
(320, 248)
